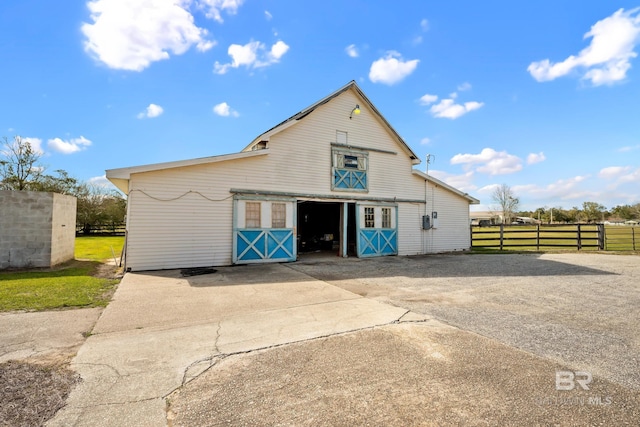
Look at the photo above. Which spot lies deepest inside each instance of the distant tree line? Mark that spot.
(590, 212)
(20, 170)
(507, 202)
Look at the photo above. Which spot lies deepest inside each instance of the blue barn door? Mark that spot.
(264, 231)
(377, 230)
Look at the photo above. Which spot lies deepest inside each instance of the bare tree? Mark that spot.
(18, 164)
(504, 197)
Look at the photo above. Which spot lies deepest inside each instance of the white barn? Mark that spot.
(335, 176)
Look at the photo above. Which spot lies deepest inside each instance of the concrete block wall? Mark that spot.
(63, 228)
(31, 229)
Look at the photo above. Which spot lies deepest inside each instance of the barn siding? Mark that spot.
(183, 217)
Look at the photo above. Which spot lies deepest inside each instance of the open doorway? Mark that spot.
(319, 227)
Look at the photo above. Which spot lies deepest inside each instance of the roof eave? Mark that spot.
(472, 200)
(120, 177)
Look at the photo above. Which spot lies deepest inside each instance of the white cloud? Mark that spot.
(606, 60)
(268, 15)
(67, 147)
(631, 176)
(223, 109)
(215, 7)
(462, 182)
(628, 148)
(613, 172)
(427, 99)
(534, 158)
(424, 24)
(277, 51)
(425, 141)
(448, 109)
(489, 161)
(36, 144)
(130, 35)
(562, 189)
(464, 86)
(151, 111)
(391, 69)
(252, 55)
(352, 51)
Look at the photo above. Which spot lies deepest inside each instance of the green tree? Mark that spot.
(60, 183)
(20, 171)
(504, 197)
(99, 206)
(626, 212)
(19, 167)
(593, 211)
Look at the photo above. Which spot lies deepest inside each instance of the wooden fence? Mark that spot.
(101, 229)
(622, 238)
(536, 237)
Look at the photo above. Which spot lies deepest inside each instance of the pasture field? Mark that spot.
(557, 237)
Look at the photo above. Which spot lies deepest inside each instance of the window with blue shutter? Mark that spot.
(349, 170)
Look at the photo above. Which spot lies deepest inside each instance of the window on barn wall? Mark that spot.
(252, 215)
(349, 170)
(386, 217)
(369, 218)
(278, 215)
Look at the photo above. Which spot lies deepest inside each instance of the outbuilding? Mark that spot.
(334, 177)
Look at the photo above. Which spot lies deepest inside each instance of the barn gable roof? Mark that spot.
(296, 118)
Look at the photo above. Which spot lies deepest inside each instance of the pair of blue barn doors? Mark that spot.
(267, 237)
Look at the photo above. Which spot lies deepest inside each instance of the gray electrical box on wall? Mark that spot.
(426, 222)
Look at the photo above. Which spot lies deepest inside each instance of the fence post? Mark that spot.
(633, 238)
(471, 236)
(538, 237)
(501, 235)
(579, 238)
(601, 237)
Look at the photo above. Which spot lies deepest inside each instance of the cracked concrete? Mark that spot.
(44, 333)
(161, 331)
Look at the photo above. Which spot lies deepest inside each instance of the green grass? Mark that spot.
(98, 248)
(71, 285)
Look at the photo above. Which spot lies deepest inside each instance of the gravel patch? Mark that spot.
(577, 309)
(31, 393)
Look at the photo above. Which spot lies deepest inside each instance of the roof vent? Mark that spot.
(262, 145)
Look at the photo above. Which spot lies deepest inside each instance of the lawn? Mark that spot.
(74, 284)
(98, 248)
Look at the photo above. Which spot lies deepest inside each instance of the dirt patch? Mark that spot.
(407, 374)
(31, 392)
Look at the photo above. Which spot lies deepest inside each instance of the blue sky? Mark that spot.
(542, 96)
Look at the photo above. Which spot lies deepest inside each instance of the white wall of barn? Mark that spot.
(183, 217)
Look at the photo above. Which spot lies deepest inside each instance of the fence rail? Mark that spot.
(622, 238)
(574, 236)
(101, 229)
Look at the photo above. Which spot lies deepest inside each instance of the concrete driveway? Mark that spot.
(519, 320)
(162, 329)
